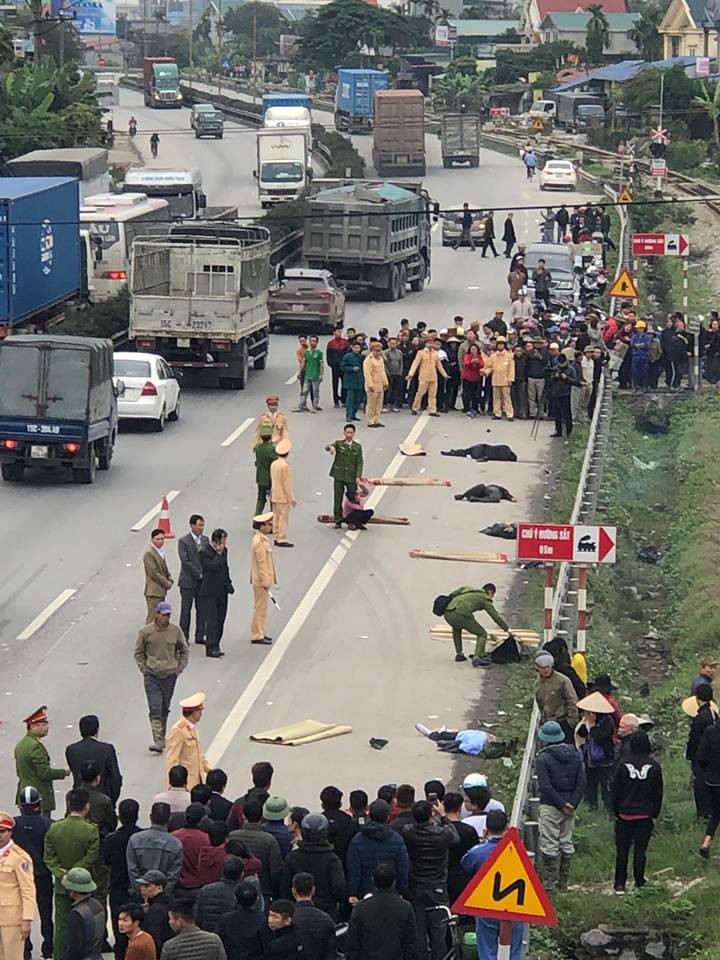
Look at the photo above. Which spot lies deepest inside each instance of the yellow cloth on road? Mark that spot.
(305, 731)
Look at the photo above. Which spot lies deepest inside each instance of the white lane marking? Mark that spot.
(153, 512)
(45, 614)
(292, 380)
(236, 433)
(246, 701)
(473, 288)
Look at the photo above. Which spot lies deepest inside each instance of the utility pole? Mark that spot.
(37, 11)
(220, 46)
(190, 39)
(254, 49)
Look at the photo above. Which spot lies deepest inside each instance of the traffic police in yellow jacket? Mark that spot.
(182, 744)
(17, 893)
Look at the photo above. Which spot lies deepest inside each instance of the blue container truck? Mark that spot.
(40, 248)
(355, 98)
(285, 100)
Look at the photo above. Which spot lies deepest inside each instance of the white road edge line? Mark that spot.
(236, 433)
(153, 511)
(293, 379)
(45, 614)
(238, 713)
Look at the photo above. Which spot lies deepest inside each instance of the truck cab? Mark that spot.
(58, 405)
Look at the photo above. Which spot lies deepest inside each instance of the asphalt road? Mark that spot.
(352, 636)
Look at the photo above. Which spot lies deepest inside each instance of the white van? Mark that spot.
(543, 110)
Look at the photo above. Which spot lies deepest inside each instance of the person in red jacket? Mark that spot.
(335, 350)
(193, 841)
(471, 376)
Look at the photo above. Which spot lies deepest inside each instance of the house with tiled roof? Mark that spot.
(687, 25)
(573, 28)
(535, 11)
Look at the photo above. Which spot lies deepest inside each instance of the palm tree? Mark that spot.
(597, 35)
(645, 34)
(711, 104)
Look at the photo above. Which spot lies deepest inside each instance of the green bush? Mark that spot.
(103, 319)
(343, 154)
(686, 154)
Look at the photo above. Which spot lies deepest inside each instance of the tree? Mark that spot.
(597, 35)
(641, 96)
(344, 26)
(710, 102)
(458, 91)
(267, 22)
(645, 34)
(63, 43)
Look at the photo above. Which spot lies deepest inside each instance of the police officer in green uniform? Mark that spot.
(32, 761)
(346, 469)
(459, 614)
(264, 456)
(72, 842)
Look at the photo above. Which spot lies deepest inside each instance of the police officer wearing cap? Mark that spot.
(275, 419)
(17, 893)
(262, 576)
(32, 761)
(265, 454)
(29, 833)
(183, 743)
(281, 495)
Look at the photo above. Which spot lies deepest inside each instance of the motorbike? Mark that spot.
(132, 130)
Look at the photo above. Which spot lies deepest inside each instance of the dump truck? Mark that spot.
(399, 134)
(460, 139)
(578, 111)
(371, 235)
(355, 98)
(161, 83)
(198, 297)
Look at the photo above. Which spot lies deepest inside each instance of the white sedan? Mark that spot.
(147, 388)
(558, 173)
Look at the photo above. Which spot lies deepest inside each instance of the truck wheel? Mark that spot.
(106, 454)
(393, 288)
(197, 135)
(403, 281)
(418, 283)
(85, 474)
(475, 162)
(12, 471)
(259, 363)
(446, 164)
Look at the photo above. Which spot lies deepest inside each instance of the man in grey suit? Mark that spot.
(191, 577)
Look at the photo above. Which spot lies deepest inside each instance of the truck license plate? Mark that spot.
(298, 307)
(183, 341)
(39, 453)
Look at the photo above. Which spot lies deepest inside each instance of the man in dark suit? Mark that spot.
(94, 750)
(191, 576)
(215, 588)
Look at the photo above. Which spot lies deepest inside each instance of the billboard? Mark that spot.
(88, 16)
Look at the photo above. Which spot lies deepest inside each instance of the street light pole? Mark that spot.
(254, 50)
(220, 46)
(190, 41)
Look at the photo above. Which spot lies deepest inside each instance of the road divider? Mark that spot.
(154, 511)
(45, 614)
(262, 676)
(228, 441)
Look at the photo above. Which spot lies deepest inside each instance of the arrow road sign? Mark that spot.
(660, 245)
(574, 543)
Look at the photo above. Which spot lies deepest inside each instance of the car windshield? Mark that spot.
(281, 172)
(131, 368)
(554, 262)
(304, 283)
(204, 108)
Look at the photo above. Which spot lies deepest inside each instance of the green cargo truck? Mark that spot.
(372, 235)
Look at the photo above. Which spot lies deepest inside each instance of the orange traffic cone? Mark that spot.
(163, 520)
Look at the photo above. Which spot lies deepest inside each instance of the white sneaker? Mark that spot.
(421, 728)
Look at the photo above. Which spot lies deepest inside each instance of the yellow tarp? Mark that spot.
(305, 731)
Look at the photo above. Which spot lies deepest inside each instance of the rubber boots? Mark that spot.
(548, 868)
(564, 874)
(158, 744)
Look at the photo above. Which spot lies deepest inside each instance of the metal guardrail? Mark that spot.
(524, 810)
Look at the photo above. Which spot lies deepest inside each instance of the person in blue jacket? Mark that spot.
(487, 930)
(640, 343)
(351, 370)
(373, 844)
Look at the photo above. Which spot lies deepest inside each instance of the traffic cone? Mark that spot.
(163, 520)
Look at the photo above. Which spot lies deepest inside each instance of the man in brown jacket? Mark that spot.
(427, 366)
(262, 576)
(281, 494)
(376, 383)
(501, 365)
(555, 696)
(157, 576)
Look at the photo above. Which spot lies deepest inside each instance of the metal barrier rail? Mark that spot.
(524, 810)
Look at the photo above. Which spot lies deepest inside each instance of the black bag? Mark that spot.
(507, 651)
(440, 604)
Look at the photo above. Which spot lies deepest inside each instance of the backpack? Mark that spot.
(440, 604)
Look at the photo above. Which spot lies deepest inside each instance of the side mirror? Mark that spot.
(436, 211)
(97, 247)
(255, 174)
(178, 375)
(119, 388)
(202, 201)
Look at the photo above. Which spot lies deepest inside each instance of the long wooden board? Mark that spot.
(408, 482)
(466, 557)
(390, 521)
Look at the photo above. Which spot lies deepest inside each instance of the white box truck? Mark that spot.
(283, 171)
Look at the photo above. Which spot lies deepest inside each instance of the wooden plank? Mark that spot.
(390, 521)
(465, 557)
(408, 482)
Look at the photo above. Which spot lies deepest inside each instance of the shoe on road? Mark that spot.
(214, 654)
(460, 658)
(265, 642)
(421, 728)
(283, 543)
